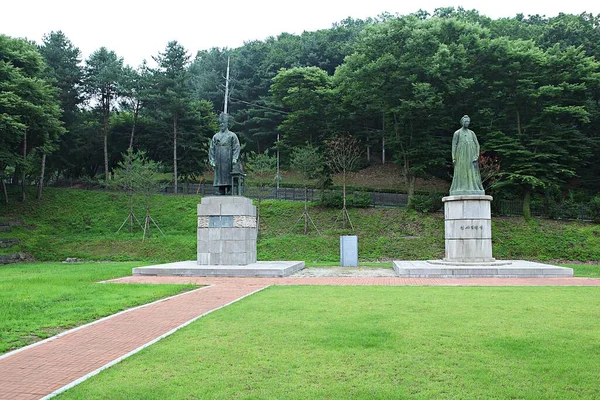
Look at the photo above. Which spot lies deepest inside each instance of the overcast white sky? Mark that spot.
(137, 29)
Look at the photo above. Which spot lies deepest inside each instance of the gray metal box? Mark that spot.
(349, 251)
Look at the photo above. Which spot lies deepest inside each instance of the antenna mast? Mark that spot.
(226, 88)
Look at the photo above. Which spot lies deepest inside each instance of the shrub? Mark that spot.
(594, 209)
(426, 203)
(356, 200)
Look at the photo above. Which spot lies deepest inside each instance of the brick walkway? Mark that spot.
(58, 363)
(367, 281)
(41, 369)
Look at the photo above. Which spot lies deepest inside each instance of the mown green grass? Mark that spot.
(40, 300)
(584, 270)
(374, 343)
(83, 224)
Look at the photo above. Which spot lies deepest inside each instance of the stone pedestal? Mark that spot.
(226, 231)
(468, 229)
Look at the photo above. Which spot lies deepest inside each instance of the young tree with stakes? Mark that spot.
(342, 157)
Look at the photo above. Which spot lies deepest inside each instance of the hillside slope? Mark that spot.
(83, 224)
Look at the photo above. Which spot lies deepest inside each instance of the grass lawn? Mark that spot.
(584, 270)
(40, 300)
(374, 343)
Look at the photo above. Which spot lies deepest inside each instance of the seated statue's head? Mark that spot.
(465, 121)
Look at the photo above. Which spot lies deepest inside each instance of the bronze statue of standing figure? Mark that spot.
(465, 158)
(223, 155)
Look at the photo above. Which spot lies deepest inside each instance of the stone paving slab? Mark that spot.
(498, 269)
(49, 367)
(192, 268)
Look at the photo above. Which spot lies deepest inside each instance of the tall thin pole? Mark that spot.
(277, 177)
(383, 139)
(226, 88)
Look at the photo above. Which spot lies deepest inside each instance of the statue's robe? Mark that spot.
(224, 150)
(465, 155)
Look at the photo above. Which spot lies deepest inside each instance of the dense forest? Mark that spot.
(398, 84)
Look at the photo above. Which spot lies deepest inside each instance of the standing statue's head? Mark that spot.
(224, 122)
(465, 121)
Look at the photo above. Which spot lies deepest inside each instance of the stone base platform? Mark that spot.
(497, 269)
(191, 268)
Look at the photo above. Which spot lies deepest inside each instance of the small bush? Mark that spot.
(356, 200)
(426, 203)
(594, 209)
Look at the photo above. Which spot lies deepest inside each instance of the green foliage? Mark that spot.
(396, 83)
(63, 60)
(41, 300)
(308, 160)
(305, 92)
(426, 203)
(102, 75)
(136, 172)
(261, 164)
(355, 200)
(82, 224)
(594, 209)
(373, 343)
(29, 108)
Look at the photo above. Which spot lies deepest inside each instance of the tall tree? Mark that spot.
(407, 77)
(343, 154)
(541, 105)
(134, 88)
(172, 90)
(64, 68)
(63, 60)
(102, 74)
(29, 108)
(305, 92)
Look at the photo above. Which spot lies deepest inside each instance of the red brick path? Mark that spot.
(42, 369)
(368, 281)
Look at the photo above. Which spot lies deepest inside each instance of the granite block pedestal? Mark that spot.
(226, 244)
(468, 247)
(226, 231)
(468, 229)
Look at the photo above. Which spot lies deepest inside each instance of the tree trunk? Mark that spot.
(24, 169)
(106, 114)
(175, 153)
(383, 149)
(42, 173)
(527, 204)
(411, 186)
(383, 138)
(518, 122)
(136, 111)
(4, 191)
(131, 212)
(305, 210)
(344, 198)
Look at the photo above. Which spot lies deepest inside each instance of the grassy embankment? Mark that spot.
(83, 224)
(376, 343)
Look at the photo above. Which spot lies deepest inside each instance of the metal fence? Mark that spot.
(565, 210)
(500, 207)
(293, 194)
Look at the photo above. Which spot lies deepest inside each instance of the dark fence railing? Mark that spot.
(500, 207)
(293, 194)
(567, 210)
